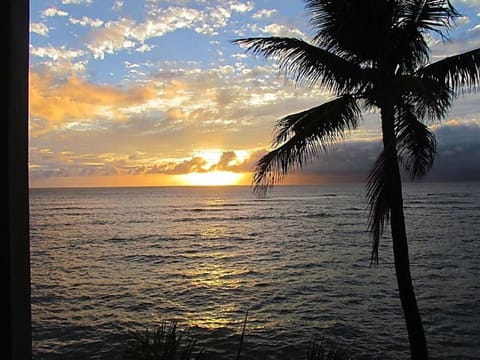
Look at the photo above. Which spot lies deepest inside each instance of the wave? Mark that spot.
(299, 262)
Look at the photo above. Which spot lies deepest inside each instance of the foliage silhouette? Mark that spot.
(325, 350)
(165, 343)
(371, 55)
(161, 343)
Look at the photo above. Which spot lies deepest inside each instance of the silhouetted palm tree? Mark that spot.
(371, 54)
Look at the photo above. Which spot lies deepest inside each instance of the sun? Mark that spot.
(213, 178)
(214, 171)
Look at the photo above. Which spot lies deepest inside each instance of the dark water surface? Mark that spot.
(108, 260)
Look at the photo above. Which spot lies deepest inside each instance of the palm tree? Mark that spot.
(372, 55)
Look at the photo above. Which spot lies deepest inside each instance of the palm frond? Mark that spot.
(413, 20)
(326, 122)
(415, 142)
(378, 194)
(461, 72)
(432, 98)
(410, 48)
(307, 63)
(302, 136)
(323, 350)
(436, 16)
(351, 28)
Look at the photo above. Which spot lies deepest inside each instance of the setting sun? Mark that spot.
(214, 178)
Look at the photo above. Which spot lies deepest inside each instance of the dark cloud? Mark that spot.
(249, 163)
(195, 164)
(228, 162)
(458, 157)
(225, 160)
(458, 153)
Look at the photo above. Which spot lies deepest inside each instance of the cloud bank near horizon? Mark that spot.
(458, 159)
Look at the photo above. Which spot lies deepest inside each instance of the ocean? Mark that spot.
(107, 261)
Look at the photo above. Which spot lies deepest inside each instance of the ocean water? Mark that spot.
(105, 261)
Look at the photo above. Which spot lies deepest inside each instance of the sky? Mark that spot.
(153, 92)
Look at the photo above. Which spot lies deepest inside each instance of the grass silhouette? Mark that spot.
(165, 342)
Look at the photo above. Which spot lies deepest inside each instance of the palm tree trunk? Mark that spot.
(416, 335)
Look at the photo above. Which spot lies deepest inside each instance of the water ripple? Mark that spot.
(298, 261)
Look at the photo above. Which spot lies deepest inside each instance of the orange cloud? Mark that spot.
(75, 99)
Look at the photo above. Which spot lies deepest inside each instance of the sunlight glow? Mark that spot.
(211, 156)
(213, 178)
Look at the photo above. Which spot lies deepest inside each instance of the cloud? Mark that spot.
(58, 60)
(228, 161)
(54, 12)
(458, 159)
(272, 29)
(125, 33)
(142, 110)
(39, 28)
(117, 5)
(86, 21)
(469, 40)
(76, 2)
(45, 163)
(241, 7)
(225, 160)
(176, 110)
(264, 13)
(195, 164)
(458, 156)
(281, 30)
(73, 99)
(180, 108)
(458, 151)
(58, 54)
(112, 37)
(464, 35)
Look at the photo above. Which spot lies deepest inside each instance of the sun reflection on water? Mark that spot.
(215, 276)
(216, 279)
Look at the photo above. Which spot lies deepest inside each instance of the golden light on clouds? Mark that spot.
(217, 161)
(74, 98)
(213, 167)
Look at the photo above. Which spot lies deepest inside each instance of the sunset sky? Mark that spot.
(144, 92)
